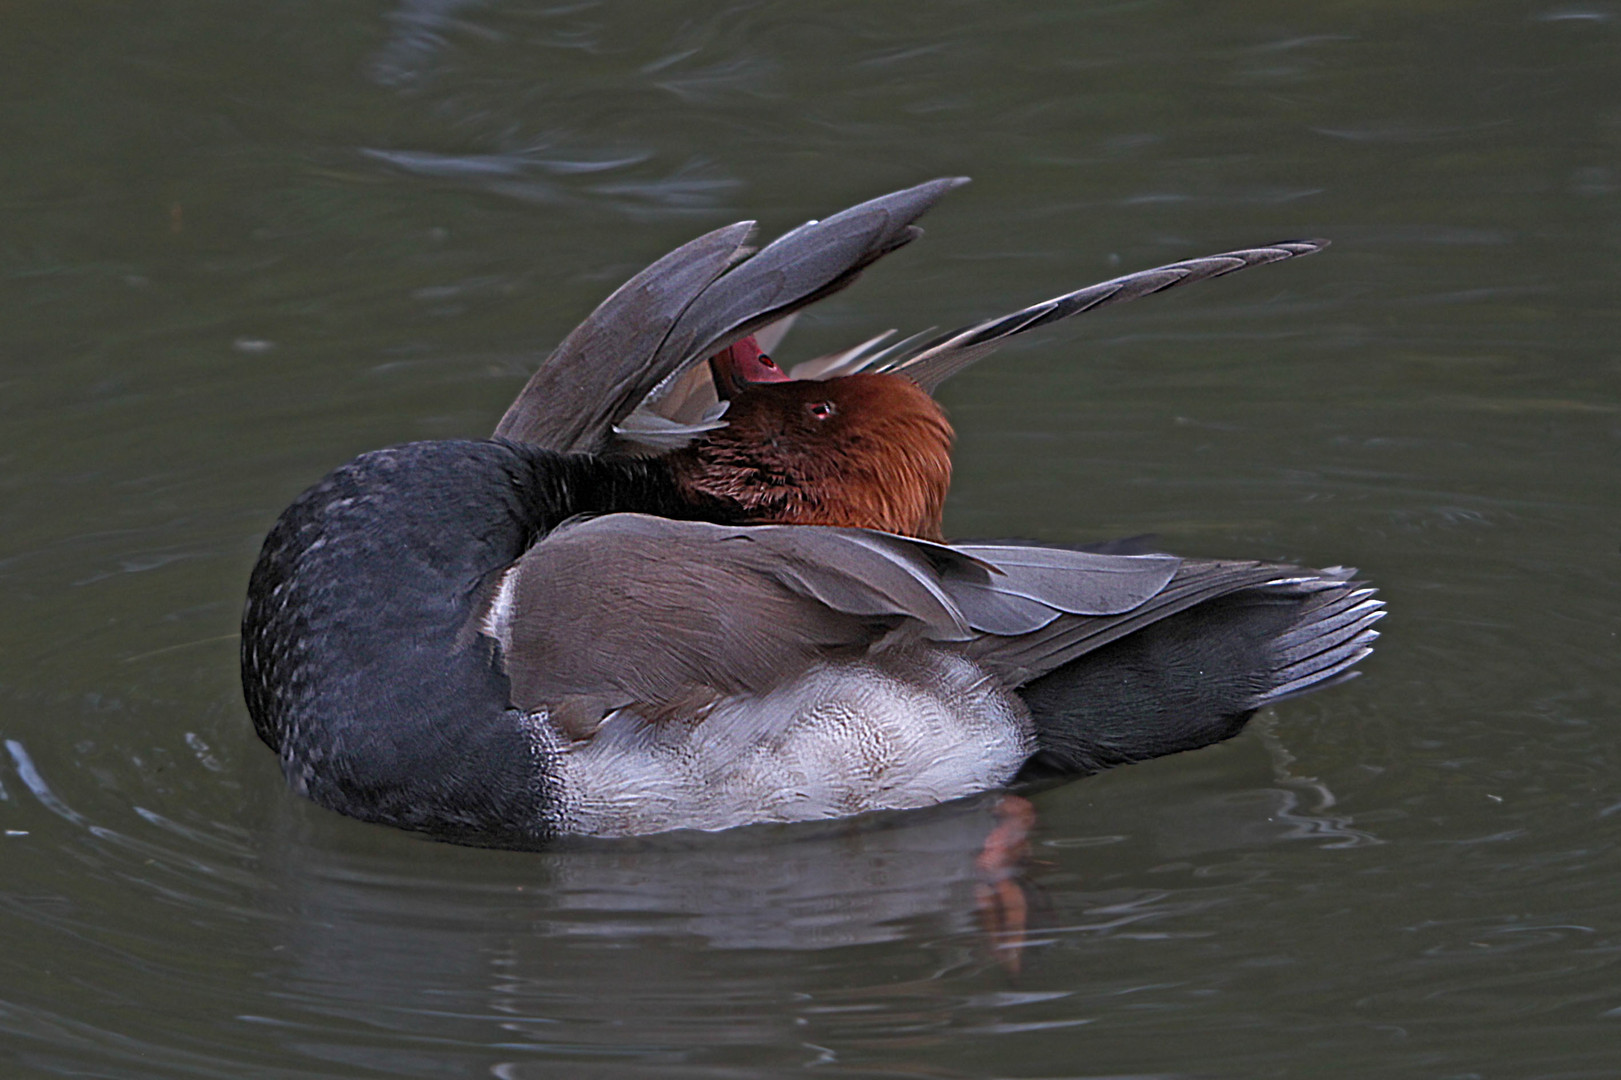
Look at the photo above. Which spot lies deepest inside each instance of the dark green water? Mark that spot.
(241, 243)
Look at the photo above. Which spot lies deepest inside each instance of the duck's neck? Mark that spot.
(556, 487)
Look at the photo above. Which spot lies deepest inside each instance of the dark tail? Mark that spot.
(1195, 677)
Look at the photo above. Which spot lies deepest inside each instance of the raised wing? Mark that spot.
(931, 362)
(599, 371)
(691, 304)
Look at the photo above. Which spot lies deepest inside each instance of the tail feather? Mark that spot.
(1193, 671)
(1326, 643)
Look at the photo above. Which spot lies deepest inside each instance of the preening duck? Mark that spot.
(682, 588)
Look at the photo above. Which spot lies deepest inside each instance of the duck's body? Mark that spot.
(501, 641)
(376, 624)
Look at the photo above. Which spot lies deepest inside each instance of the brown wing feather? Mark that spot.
(634, 608)
(631, 608)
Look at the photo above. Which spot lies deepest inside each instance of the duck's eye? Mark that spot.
(821, 409)
(767, 363)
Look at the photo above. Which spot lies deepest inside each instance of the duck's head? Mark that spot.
(869, 450)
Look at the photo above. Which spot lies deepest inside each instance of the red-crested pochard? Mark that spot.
(681, 588)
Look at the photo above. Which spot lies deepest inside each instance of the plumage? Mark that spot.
(930, 361)
(692, 303)
(799, 452)
(673, 593)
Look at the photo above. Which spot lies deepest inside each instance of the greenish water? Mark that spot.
(241, 243)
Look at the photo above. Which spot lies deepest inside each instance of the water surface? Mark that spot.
(242, 243)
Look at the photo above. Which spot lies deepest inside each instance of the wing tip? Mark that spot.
(1306, 246)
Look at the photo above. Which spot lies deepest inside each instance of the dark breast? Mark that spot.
(361, 661)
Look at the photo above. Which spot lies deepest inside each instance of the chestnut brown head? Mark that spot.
(868, 451)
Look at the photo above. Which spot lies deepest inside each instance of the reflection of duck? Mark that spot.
(614, 618)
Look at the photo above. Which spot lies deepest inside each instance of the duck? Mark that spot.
(681, 587)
